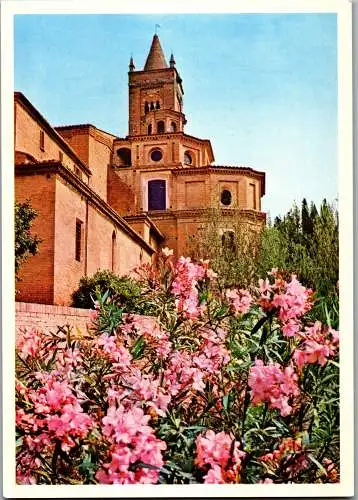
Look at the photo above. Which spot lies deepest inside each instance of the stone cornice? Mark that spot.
(206, 212)
(56, 167)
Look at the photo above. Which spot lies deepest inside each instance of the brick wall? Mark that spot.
(48, 317)
(37, 274)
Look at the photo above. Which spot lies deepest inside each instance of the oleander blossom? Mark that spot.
(319, 344)
(273, 384)
(187, 276)
(135, 453)
(53, 414)
(291, 299)
(31, 342)
(220, 455)
(239, 300)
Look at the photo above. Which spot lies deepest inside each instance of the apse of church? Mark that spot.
(169, 174)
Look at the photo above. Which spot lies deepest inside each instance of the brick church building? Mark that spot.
(106, 202)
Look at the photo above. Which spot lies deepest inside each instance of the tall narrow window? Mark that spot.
(149, 129)
(78, 247)
(156, 195)
(42, 140)
(114, 251)
(160, 127)
(146, 107)
(252, 188)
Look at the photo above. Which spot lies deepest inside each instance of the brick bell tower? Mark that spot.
(160, 173)
(155, 95)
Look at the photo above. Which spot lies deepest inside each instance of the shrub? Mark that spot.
(124, 290)
(221, 387)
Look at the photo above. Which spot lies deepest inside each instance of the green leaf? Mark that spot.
(316, 462)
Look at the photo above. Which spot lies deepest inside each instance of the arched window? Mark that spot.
(114, 251)
(157, 105)
(150, 129)
(173, 127)
(151, 106)
(160, 127)
(188, 159)
(226, 197)
(156, 195)
(124, 156)
(146, 107)
(228, 241)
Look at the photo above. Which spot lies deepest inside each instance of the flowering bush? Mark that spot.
(220, 386)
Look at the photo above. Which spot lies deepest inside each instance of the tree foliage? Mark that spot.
(231, 246)
(306, 242)
(26, 244)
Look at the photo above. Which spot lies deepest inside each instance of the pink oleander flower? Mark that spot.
(239, 300)
(319, 344)
(133, 441)
(187, 274)
(273, 384)
(222, 453)
(113, 349)
(31, 342)
(290, 299)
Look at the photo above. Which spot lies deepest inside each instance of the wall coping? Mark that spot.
(51, 309)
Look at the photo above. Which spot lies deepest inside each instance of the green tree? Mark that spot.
(304, 242)
(26, 244)
(231, 246)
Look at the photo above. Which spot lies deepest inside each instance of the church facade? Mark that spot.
(106, 202)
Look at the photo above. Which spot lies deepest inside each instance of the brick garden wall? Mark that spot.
(48, 317)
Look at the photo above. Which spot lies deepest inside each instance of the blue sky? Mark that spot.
(261, 87)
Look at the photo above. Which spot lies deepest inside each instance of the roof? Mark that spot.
(231, 168)
(155, 59)
(21, 98)
(85, 126)
(144, 217)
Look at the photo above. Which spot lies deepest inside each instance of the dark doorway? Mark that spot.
(156, 195)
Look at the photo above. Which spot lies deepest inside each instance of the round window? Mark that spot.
(156, 155)
(188, 160)
(226, 197)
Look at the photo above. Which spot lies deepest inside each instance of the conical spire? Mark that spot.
(155, 59)
(131, 64)
(172, 61)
